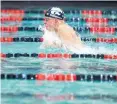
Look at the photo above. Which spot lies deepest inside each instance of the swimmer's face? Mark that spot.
(50, 23)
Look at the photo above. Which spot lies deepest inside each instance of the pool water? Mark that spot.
(57, 92)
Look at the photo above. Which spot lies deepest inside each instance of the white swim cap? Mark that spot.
(55, 12)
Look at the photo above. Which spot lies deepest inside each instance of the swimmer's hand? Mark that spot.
(40, 28)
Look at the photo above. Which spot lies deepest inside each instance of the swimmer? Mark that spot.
(57, 33)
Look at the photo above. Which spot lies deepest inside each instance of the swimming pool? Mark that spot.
(19, 89)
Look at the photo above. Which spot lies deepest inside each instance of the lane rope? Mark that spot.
(59, 55)
(73, 11)
(39, 39)
(60, 77)
(73, 19)
(96, 30)
(20, 39)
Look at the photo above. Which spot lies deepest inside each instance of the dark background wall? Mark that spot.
(79, 4)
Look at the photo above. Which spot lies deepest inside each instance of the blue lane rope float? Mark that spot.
(60, 77)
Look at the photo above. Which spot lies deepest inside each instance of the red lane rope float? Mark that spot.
(102, 30)
(6, 39)
(60, 55)
(56, 77)
(110, 56)
(9, 29)
(11, 18)
(59, 77)
(97, 20)
(37, 39)
(13, 11)
(111, 40)
(94, 13)
(12, 15)
(2, 55)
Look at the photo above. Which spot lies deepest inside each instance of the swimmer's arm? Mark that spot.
(70, 38)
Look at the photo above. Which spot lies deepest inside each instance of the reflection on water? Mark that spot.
(61, 97)
(59, 64)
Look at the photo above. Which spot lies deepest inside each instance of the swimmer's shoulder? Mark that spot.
(65, 28)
